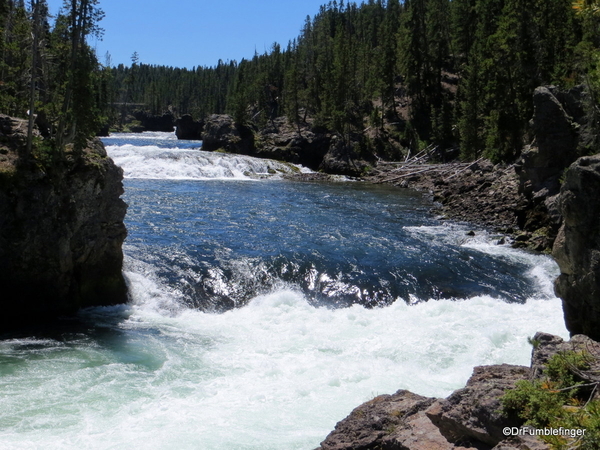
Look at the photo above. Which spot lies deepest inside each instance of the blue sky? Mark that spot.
(187, 33)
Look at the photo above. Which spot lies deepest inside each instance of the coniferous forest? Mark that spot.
(456, 73)
(48, 68)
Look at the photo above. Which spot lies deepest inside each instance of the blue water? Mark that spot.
(338, 243)
(263, 310)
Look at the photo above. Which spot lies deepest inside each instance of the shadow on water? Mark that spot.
(93, 337)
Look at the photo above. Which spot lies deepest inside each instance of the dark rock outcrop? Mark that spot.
(186, 128)
(61, 231)
(149, 122)
(313, 147)
(556, 123)
(296, 144)
(577, 247)
(222, 133)
(344, 158)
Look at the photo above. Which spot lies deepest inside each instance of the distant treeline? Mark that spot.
(451, 72)
(461, 72)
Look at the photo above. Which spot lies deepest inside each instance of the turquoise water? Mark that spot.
(262, 311)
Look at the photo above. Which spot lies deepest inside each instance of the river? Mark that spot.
(264, 310)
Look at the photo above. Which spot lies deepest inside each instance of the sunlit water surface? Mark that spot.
(263, 311)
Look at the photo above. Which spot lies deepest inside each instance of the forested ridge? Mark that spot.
(451, 72)
(455, 73)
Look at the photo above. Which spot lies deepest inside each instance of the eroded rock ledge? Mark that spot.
(61, 230)
(469, 418)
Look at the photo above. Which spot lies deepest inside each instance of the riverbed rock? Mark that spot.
(61, 231)
(577, 248)
(189, 129)
(222, 133)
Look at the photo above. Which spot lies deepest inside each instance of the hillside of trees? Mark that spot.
(458, 73)
(47, 67)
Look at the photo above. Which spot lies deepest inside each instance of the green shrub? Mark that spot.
(560, 399)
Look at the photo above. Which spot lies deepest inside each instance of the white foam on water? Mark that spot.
(153, 162)
(276, 374)
(158, 135)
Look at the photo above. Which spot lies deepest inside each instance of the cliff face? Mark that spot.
(61, 230)
(577, 247)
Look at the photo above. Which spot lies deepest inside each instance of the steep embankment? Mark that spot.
(61, 229)
(577, 247)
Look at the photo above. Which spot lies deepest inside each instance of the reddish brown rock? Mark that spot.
(368, 426)
(473, 414)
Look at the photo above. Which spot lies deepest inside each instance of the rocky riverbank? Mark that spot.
(61, 229)
(520, 199)
(471, 417)
(546, 207)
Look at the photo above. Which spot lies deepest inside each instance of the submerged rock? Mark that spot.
(577, 248)
(61, 231)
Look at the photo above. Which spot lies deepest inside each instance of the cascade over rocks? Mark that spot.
(61, 230)
(577, 247)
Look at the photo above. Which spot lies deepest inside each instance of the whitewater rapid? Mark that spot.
(277, 373)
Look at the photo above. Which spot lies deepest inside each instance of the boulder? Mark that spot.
(344, 158)
(386, 421)
(297, 144)
(61, 232)
(470, 417)
(189, 129)
(473, 414)
(577, 248)
(222, 133)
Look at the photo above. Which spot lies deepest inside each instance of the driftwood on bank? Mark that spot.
(418, 165)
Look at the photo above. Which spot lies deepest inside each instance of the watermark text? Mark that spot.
(570, 432)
